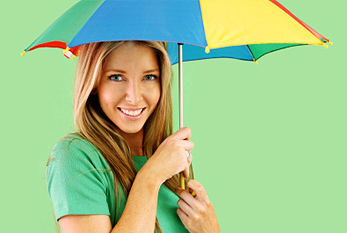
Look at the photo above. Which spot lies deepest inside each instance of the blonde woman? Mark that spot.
(119, 172)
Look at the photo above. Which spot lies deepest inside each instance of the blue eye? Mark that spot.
(115, 77)
(151, 77)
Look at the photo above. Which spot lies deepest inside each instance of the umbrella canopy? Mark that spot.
(243, 30)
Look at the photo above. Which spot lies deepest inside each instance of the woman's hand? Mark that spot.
(171, 157)
(197, 213)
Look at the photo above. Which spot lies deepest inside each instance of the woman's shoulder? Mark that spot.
(76, 155)
(73, 141)
(73, 146)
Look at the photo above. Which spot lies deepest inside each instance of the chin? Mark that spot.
(131, 130)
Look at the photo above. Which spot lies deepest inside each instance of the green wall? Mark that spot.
(270, 139)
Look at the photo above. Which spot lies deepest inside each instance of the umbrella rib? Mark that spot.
(250, 51)
(203, 26)
(311, 30)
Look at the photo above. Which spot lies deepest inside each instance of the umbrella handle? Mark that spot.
(183, 183)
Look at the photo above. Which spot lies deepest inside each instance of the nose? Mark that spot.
(133, 93)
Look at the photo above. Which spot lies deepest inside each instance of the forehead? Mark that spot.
(131, 56)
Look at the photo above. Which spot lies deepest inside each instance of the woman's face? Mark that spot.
(129, 88)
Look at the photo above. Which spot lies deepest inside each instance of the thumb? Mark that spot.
(186, 173)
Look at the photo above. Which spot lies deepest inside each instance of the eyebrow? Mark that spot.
(124, 72)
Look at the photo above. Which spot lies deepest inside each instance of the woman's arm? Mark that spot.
(138, 216)
(140, 210)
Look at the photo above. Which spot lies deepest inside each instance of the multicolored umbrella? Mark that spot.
(244, 30)
(240, 29)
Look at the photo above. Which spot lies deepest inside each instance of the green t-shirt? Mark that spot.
(80, 182)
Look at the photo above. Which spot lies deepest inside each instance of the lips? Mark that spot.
(130, 109)
(132, 112)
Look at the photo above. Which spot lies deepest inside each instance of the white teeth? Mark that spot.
(132, 113)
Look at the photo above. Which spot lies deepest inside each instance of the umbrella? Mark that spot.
(244, 30)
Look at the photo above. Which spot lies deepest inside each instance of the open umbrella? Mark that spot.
(244, 30)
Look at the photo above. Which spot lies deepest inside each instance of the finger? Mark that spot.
(188, 198)
(186, 171)
(185, 207)
(190, 159)
(199, 190)
(186, 145)
(183, 216)
(182, 134)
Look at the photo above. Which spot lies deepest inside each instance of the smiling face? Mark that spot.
(129, 88)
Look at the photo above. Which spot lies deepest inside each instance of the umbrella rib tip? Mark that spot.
(66, 50)
(23, 53)
(207, 49)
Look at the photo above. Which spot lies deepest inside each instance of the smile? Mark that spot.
(132, 113)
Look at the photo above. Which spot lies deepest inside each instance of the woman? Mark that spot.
(108, 176)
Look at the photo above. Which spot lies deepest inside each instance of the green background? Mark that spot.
(270, 139)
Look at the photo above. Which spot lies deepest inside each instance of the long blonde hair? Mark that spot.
(93, 125)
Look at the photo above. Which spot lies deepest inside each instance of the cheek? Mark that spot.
(155, 94)
(107, 98)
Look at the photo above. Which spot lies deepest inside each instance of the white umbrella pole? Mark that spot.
(180, 68)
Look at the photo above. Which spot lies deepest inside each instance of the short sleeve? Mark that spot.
(76, 179)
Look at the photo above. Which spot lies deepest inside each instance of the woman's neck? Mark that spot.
(135, 141)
